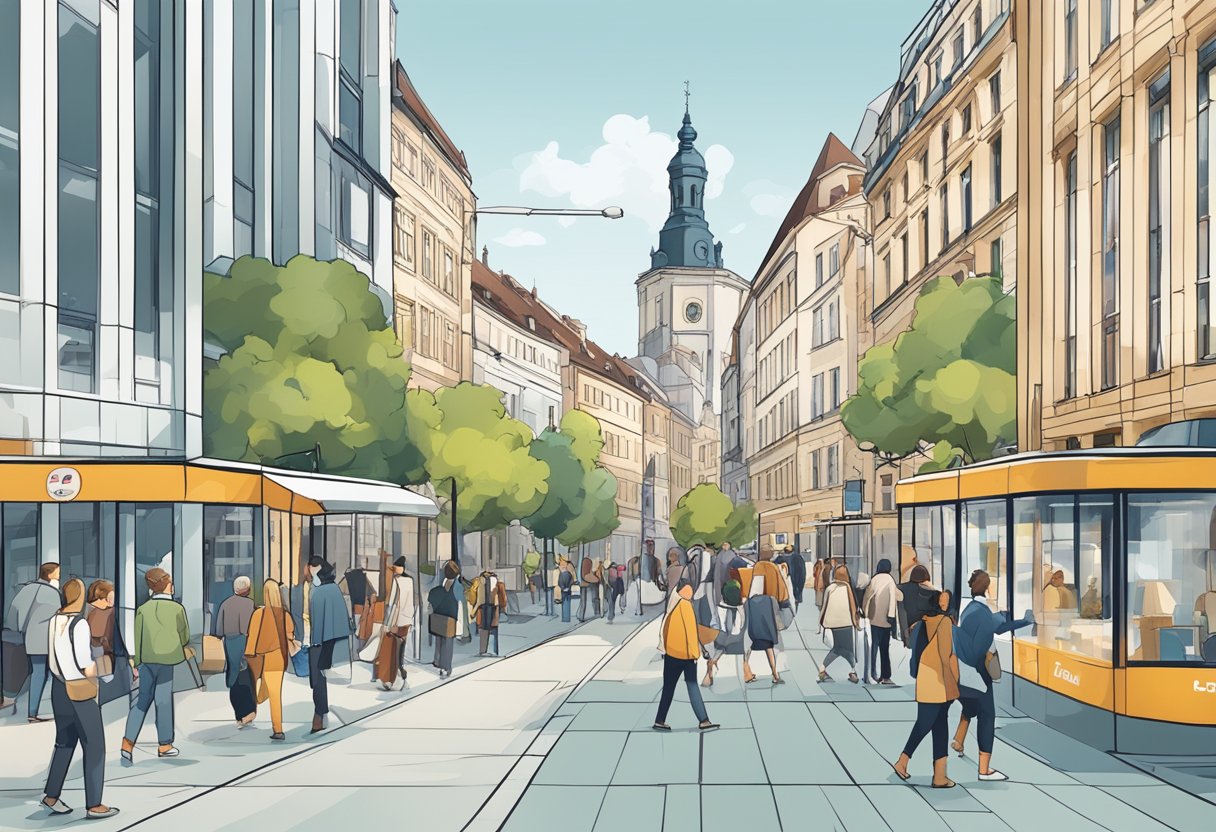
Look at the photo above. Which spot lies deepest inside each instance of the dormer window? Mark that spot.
(531, 322)
(486, 293)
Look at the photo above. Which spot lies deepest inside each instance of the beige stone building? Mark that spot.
(806, 342)
(433, 239)
(942, 183)
(1114, 300)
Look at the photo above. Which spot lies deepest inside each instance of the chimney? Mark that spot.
(485, 256)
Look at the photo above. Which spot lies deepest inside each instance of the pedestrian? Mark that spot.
(589, 586)
(839, 614)
(109, 651)
(492, 605)
(532, 573)
(762, 627)
(268, 652)
(328, 624)
(565, 584)
(74, 702)
(919, 597)
(444, 610)
(359, 592)
(398, 617)
(680, 648)
(977, 626)
(671, 578)
(30, 614)
(614, 588)
(880, 605)
(817, 581)
(231, 624)
(797, 570)
(161, 637)
(935, 666)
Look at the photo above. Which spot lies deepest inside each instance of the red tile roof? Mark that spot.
(413, 102)
(806, 204)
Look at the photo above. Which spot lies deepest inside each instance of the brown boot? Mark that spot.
(318, 723)
(940, 780)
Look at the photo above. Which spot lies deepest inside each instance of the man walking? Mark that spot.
(161, 636)
(30, 615)
(328, 624)
(680, 648)
(232, 625)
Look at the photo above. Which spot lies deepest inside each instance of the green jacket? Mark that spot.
(161, 632)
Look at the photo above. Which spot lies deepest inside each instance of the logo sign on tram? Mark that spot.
(63, 484)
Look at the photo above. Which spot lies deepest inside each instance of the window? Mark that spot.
(1171, 577)
(815, 468)
(10, 186)
(903, 245)
(996, 258)
(996, 151)
(403, 318)
(886, 498)
(966, 117)
(1110, 21)
(886, 275)
(834, 260)
(945, 142)
(79, 170)
(818, 270)
(834, 387)
(428, 255)
(1070, 279)
(959, 51)
(399, 155)
(924, 239)
(243, 151)
(936, 60)
(886, 204)
(1158, 214)
(355, 195)
(994, 90)
(1110, 255)
(1203, 191)
(977, 26)
(153, 285)
(924, 169)
(350, 74)
(80, 539)
(449, 344)
(935, 542)
(817, 397)
(965, 192)
(833, 465)
(817, 333)
(411, 160)
(834, 320)
(907, 109)
(404, 237)
(986, 546)
(1070, 39)
(944, 197)
(428, 173)
(20, 525)
(449, 272)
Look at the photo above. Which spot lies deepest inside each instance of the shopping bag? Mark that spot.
(299, 662)
(441, 625)
(192, 664)
(213, 655)
(372, 648)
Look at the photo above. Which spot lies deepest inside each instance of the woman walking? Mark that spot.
(444, 610)
(268, 652)
(74, 703)
(839, 614)
(114, 671)
(881, 608)
(398, 616)
(762, 629)
(935, 667)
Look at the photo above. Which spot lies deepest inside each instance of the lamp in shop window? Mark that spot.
(1156, 611)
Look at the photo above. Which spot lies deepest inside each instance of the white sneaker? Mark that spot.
(994, 775)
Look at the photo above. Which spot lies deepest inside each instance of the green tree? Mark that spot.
(948, 382)
(706, 516)
(479, 462)
(311, 361)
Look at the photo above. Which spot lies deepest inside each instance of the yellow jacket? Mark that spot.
(680, 632)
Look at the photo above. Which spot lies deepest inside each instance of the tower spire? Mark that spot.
(687, 95)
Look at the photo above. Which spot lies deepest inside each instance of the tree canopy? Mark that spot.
(706, 516)
(311, 361)
(481, 449)
(598, 516)
(949, 381)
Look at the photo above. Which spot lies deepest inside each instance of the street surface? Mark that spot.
(557, 736)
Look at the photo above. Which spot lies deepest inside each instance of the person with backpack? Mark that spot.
(839, 614)
(161, 637)
(977, 627)
(445, 609)
(935, 667)
(74, 702)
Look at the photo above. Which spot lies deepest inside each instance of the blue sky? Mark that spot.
(562, 103)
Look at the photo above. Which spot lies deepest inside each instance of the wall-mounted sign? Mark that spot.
(854, 492)
(63, 484)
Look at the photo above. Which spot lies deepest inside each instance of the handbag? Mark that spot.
(78, 690)
(992, 664)
(299, 662)
(372, 648)
(441, 625)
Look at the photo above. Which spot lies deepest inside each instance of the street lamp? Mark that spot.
(612, 212)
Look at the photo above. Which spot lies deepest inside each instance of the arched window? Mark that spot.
(679, 196)
(692, 195)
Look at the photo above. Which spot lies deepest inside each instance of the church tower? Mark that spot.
(686, 241)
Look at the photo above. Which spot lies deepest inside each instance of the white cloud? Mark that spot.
(629, 170)
(517, 237)
(738, 229)
(767, 198)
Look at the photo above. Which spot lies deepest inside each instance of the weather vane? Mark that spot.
(687, 95)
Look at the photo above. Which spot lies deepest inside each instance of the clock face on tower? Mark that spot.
(701, 249)
(692, 312)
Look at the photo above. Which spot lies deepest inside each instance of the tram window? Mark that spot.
(1171, 578)
(985, 546)
(934, 543)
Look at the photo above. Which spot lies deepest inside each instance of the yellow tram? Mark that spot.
(1114, 551)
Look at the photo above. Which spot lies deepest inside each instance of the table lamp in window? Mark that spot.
(1156, 611)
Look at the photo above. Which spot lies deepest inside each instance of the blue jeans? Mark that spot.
(566, 602)
(981, 706)
(155, 685)
(38, 676)
(673, 669)
(77, 723)
(931, 718)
